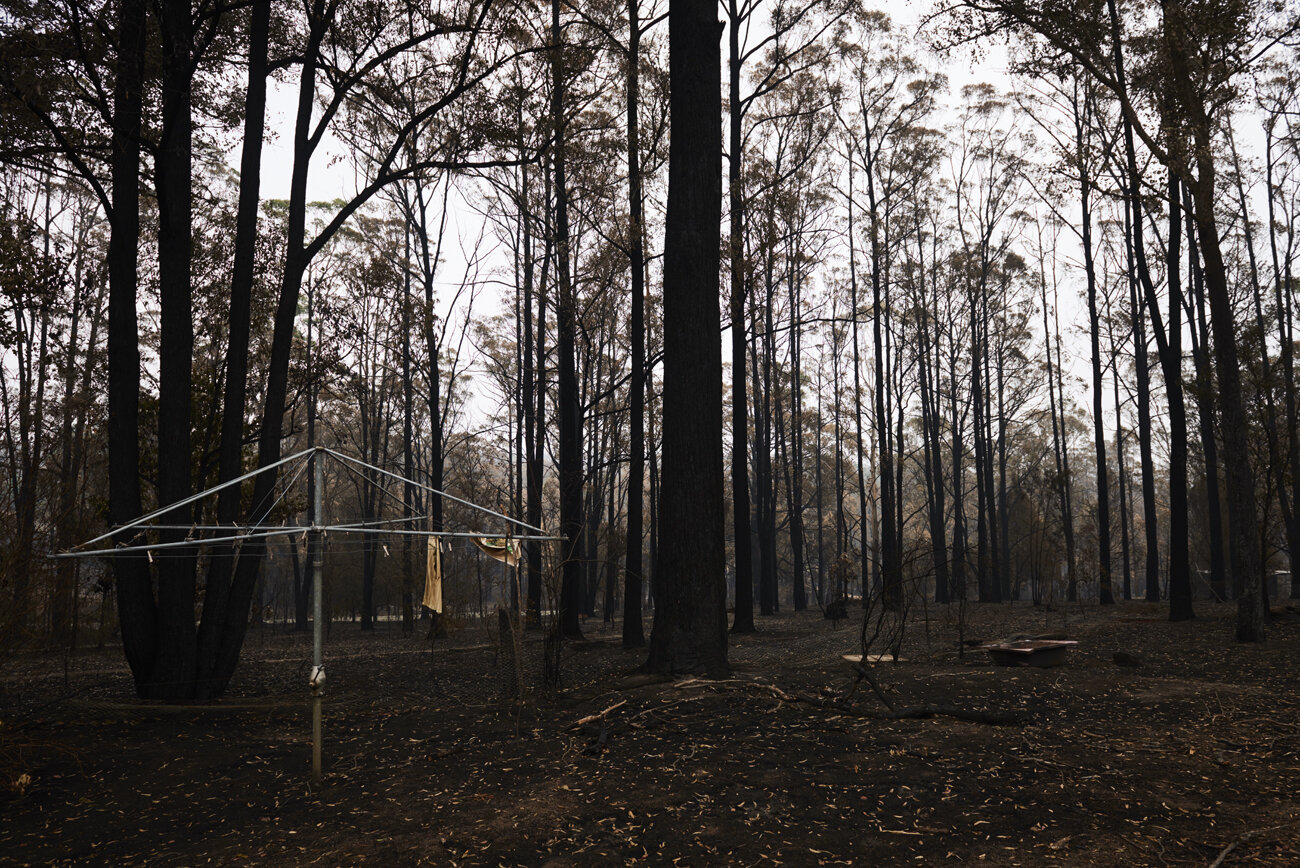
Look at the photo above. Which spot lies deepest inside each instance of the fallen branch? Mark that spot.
(992, 718)
(592, 718)
(779, 693)
(1244, 839)
(661, 707)
(686, 683)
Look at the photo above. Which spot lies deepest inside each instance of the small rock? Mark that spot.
(1123, 658)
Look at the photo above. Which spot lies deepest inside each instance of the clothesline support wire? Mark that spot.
(379, 522)
(446, 534)
(284, 490)
(483, 509)
(361, 476)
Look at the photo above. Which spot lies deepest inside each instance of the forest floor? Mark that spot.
(1191, 757)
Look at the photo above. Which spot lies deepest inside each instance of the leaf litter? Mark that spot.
(1190, 758)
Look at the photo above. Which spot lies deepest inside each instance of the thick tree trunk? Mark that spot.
(741, 519)
(1142, 365)
(1276, 466)
(891, 572)
(1209, 443)
(1244, 549)
(1169, 347)
(218, 664)
(174, 668)
(537, 440)
(532, 471)
(536, 458)
(135, 603)
(690, 627)
(1137, 251)
(1094, 329)
(1180, 580)
(1282, 288)
(633, 631)
(569, 408)
(235, 393)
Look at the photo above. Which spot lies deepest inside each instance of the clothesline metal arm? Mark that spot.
(176, 544)
(285, 527)
(289, 531)
(193, 498)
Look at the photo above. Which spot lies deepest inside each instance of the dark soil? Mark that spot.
(1189, 757)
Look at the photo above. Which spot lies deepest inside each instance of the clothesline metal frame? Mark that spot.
(316, 679)
(260, 531)
(291, 531)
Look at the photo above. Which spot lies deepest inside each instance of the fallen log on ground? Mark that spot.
(914, 712)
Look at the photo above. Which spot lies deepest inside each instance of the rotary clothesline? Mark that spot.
(499, 546)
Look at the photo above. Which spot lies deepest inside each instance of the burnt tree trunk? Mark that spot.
(690, 627)
(741, 520)
(569, 408)
(633, 631)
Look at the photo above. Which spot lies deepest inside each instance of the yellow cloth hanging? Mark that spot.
(433, 576)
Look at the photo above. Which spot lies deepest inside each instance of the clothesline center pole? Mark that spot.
(317, 681)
